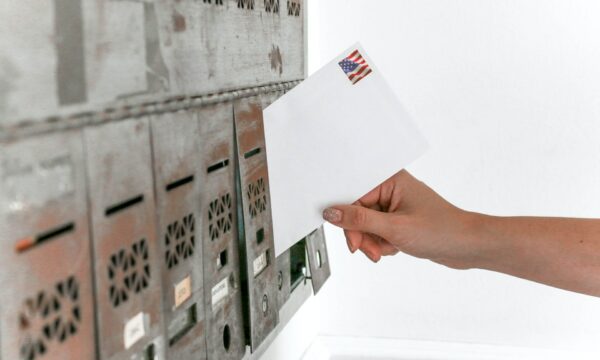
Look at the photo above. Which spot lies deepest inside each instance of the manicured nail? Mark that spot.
(371, 256)
(350, 246)
(332, 215)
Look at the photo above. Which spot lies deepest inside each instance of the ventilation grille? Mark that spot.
(180, 241)
(128, 272)
(220, 217)
(245, 4)
(257, 197)
(217, 2)
(51, 316)
(293, 7)
(272, 6)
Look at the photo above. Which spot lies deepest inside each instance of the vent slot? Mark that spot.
(49, 318)
(128, 271)
(180, 182)
(111, 210)
(257, 197)
(251, 153)
(220, 217)
(180, 241)
(216, 166)
(28, 243)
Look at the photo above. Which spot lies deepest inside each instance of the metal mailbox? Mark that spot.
(218, 221)
(318, 260)
(128, 284)
(177, 167)
(46, 284)
(259, 273)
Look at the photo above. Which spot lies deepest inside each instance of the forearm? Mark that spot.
(560, 252)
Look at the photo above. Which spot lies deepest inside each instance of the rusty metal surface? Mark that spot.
(218, 220)
(46, 309)
(260, 267)
(127, 271)
(318, 259)
(76, 56)
(177, 179)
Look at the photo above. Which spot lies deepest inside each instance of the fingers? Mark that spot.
(358, 218)
(371, 245)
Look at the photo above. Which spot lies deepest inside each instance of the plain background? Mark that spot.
(508, 95)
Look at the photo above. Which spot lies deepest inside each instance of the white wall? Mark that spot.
(508, 94)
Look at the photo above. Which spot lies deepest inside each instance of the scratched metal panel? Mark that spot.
(128, 284)
(261, 276)
(176, 155)
(223, 298)
(283, 279)
(318, 260)
(122, 50)
(46, 281)
(28, 60)
(240, 42)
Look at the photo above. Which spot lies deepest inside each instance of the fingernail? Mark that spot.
(371, 256)
(350, 247)
(332, 215)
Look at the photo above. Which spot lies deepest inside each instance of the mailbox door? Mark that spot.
(257, 241)
(318, 260)
(223, 301)
(177, 159)
(46, 283)
(128, 285)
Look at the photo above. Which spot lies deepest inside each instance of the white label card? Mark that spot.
(135, 329)
(183, 291)
(260, 263)
(220, 291)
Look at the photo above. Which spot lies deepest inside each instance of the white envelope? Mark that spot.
(329, 141)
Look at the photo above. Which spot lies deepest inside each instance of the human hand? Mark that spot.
(404, 214)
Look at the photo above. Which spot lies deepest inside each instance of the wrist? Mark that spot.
(484, 248)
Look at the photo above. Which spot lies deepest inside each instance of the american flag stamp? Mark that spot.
(355, 67)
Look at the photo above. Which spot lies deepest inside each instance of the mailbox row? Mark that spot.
(148, 238)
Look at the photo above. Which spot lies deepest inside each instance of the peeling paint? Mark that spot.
(178, 22)
(276, 61)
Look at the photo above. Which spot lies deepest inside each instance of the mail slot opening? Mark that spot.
(226, 338)
(30, 242)
(222, 259)
(297, 263)
(182, 324)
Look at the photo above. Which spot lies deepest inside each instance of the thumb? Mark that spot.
(355, 217)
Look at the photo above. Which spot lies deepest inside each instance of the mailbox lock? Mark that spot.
(280, 280)
(265, 304)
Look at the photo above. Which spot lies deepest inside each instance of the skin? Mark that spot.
(403, 214)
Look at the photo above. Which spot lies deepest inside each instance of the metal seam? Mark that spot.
(31, 127)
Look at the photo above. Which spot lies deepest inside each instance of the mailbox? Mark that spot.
(46, 282)
(218, 221)
(127, 259)
(177, 166)
(259, 273)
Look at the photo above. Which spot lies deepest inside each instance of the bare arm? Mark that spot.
(404, 214)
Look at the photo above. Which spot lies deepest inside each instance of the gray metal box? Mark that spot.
(46, 294)
(177, 178)
(127, 271)
(260, 273)
(218, 221)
